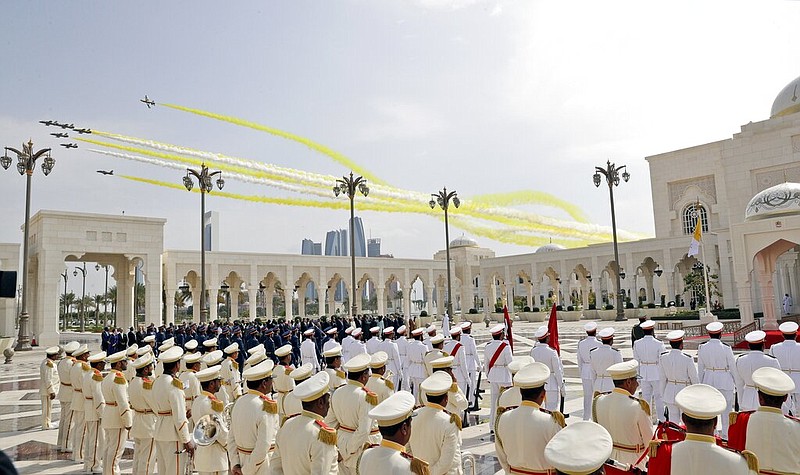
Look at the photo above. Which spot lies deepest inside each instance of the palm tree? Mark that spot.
(182, 298)
(112, 298)
(139, 299)
(98, 300)
(67, 301)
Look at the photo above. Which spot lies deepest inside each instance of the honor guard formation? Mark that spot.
(379, 396)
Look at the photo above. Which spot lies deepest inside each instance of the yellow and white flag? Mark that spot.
(697, 236)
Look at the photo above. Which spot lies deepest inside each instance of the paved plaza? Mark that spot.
(33, 450)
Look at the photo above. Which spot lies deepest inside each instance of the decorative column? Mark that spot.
(234, 310)
(213, 299)
(195, 304)
(301, 301)
(170, 306)
(407, 301)
(252, 299)
(269, 296)
(380, 296)
(288, 302)
(331, 298)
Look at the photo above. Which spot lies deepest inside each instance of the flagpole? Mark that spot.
(705, 276)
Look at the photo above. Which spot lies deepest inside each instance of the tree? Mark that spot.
(694, 282)
(67, 301)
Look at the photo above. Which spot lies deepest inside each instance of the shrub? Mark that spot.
(423, 313)
(535, 309)
(498, 309)
(559, 308)
(609, 307)
(629, 304)
(651, 305)
(570, 308)
(592, 306)
(473, 311)
(526, 309)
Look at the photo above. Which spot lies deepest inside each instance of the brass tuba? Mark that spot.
(468, 463)
(207, 430)
(227, 415)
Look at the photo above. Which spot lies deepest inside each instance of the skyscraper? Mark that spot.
(211, 230)
(311, 248)
(373, 247)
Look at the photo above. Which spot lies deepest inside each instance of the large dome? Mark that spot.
(463, 241)
(549, 248)
(788, 100)
(779, 200)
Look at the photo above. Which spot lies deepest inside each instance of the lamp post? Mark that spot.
(26, 163)
(83, 294)
(443, 199)
(204, 178)
(64, 323)
(105, 295)
(349, 185)
(612, 174)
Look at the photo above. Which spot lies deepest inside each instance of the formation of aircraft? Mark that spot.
(60, 135)
(48, 122)
(105, 172)
(84, 131)
(65, 126)
(149, 103)
(69, 145)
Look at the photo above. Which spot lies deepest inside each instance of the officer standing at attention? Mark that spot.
(93, 407)
(48, 386)
(254, 423)
(333, 366)
(78, 432)
(283, 383)
(677, 372)
(715, 367)
(497, 356)
(172, 438)
(542, 353)
(144, 419)
(393, 417)
(601, 358)
(117, 414)
(436, 433)
(787, 353)
(211, 459)
(647, 351)
(65, 396)
(523, 432)
(746, 365)
(585, 366)
(305, 442)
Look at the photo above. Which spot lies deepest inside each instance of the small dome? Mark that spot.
(788, 101)
(463, 241)
(549, 248)
(779, 200)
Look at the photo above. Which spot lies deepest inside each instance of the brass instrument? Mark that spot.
(207, 429)
(227, 415)
(468, 463)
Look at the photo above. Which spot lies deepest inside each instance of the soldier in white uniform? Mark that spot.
(211, 459)
(283, 384)
(357, 346)
(191, 385)
(579, 449)
(346, 341)
(333, 366)
(349, 407)
(65, 396)
(393, 363)
(93, 412)
(130, 353)
(291, 405)
(213, 359)
(436, 433)
(624, 416)
(511, 397)
(473, 360)
(172, 438)
(378, 383)
(305, 442)
(746, 364)
(393, 417)
(416, 361)
(78, 432)
(601, 358)
(585, 366)
(231, 377)
(772, 436)
(677, 372)
(430, 332)
(332, 339)
(497, 356)
(189, 347)
(49, 382)
(255, 358)
(715, 367)
(455, 348)
(254, 423)
(647, 351)
(402, 351)
(522, 433)
(456, 400)
(787, 353)
(542, 353)
(374, 343)
(165, 345)
(700, 405)
(144, 418)
(117, 414)
(308, 350)
(437, 351)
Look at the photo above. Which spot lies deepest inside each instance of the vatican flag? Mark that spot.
(697, 236)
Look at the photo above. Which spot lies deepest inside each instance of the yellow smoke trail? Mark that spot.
(512, 236)
(531, 197)
(336, 156)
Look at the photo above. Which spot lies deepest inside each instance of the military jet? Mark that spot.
(65, 126)
(60, 135)
(147, 101)
(69, 145)
(84, 131)
(48, 122)
(105, 172)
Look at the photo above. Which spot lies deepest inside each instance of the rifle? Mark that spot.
(561, 406)
(478, 391)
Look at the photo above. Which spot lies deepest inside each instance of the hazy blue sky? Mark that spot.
(478, 96)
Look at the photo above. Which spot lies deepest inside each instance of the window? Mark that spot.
(690, 214)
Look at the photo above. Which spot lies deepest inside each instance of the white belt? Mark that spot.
(648, 363)
(716, 369)
(685, 383)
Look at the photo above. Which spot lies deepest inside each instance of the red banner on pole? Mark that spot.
(507, 319)
(552, 327)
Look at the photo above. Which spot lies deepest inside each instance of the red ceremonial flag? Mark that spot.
(508, 328)
(552, 327)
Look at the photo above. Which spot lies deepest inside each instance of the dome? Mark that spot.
(779, 200)
(788, 101)
(463, 241)
(549, 248)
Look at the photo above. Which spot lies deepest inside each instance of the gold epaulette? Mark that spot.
(235, 365)
(445, 354)
(85, 366)
(732, 416)
(340, 373)
(269, 406)
(419, 467)
(120, 379)
(97, 376)
(456, 420)
(498, 412)
(371, 397)
(147, 384)
(454, 388)
(752, 460)
(645, 407)
(49, 363)
(177, 383)
(327, 435)
(287, 370)
(388, 383)
(557, 417)
(217, 405)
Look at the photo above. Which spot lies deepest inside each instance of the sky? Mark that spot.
(478, 96)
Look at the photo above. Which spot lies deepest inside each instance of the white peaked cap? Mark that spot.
(259, 371)
(213, 358)
(259, 347)
(394, 409)
(359, 362)
(788, 327)
(606, 333)
(378, 359)
(590, 326)
(142, 361)
(534, 375)
(283, 351)
(714, 327)
(255, 358)
(115, 357)
(579, 449)
(624, 370)
(303, 372)
(210, 342)
(772, 381)
(701, 401)
(497, 329)
(208, 374)
(756, 336)
(171, 355)
(313, 388)
(520, 362)
(437, 384)
(191, 344)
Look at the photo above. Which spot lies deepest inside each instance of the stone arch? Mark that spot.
(764, 270)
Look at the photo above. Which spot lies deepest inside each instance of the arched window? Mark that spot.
(690, 215)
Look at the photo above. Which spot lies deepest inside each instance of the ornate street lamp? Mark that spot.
(97, 267)
(26, 163)
(205, 180)
(612, 174)
(350, 185)
(83, 295)
(443, 199)
(64, 323)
